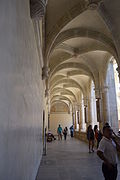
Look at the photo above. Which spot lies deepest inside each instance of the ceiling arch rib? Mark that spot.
(82, 32)
(77, 9)
(62, 90)
(77, 72)
(57, 101)
(69, 65)
(76, 53)
(66, 48)
(63, 94)
(69, 85)
(56, 78)
(81, 50)
(66, 81)
(61, 97)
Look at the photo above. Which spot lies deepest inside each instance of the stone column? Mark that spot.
(81, 119)
(99, 107)
(75, 120)
(118, 70)
(112, 100)
(105, 104)
(89, 111)
(85, 113)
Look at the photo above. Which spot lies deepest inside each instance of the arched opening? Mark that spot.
(60, 113)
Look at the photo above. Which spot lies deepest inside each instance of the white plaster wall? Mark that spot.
(21, 94)
(63, 119)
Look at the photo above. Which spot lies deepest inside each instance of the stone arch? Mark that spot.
(79, 66)
(61, 98)
(83, 32)
(55, 101)
(111, 26)
(72, 51)
(62, 90)
(60, 102)
(68, 16)
(67, 81)
(76, 11)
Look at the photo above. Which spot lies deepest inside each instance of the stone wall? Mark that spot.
(81, 136)
(21, 94)
(64, 119)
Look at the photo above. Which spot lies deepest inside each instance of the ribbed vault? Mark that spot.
(79, 47)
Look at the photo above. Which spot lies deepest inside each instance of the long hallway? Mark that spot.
(70, 160)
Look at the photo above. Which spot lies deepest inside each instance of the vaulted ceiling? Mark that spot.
(79, 46)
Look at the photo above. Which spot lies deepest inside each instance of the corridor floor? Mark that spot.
(70, 160)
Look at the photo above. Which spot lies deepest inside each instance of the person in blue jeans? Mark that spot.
(59, 131)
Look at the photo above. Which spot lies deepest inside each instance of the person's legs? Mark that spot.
(65, 136)
(114, 173)
(71, 133)
(60, 136)
(92, 145)
(109, 174)
(89, 146)
(105, 172)
(97, 143)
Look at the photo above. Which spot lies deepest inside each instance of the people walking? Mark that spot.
(107, 152)
(71, 131)
(65, 133)
(98, 135)
(59, 131)
(90, 137)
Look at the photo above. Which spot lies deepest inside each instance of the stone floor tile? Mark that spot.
(70, 160)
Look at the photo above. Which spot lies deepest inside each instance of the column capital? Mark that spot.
(97, 93)
(105, 89)
(85, 101)
(37, 8)
(45, 72)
